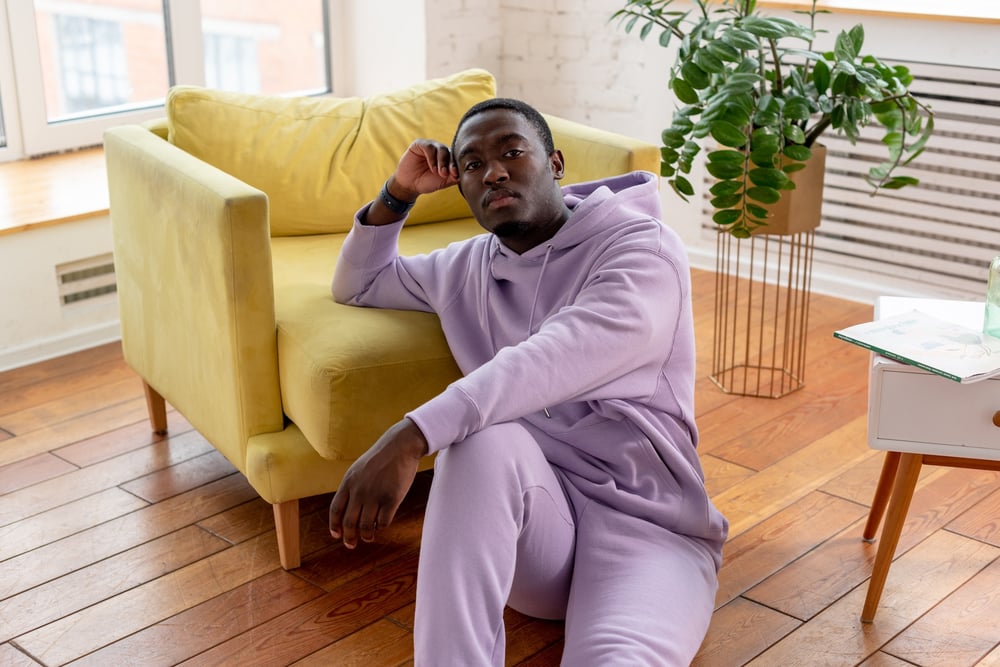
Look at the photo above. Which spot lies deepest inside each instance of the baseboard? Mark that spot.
(57, 346)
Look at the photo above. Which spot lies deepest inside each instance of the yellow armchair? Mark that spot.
(228, 218)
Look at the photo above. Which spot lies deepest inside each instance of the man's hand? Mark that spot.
(425, 167)
(376, 483)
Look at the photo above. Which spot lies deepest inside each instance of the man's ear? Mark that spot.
(558, 164)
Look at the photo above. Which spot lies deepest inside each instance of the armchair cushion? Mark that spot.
(320, 159)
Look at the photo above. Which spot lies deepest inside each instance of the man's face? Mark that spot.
(508, 179)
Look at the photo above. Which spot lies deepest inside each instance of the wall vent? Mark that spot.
(942, 233)
(86, 279)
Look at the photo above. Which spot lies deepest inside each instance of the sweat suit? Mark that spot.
(567, 482)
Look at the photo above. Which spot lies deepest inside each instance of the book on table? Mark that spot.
(951, 350)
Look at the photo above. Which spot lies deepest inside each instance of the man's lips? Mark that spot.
(498, 198)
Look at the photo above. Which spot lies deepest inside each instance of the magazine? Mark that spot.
(951, 350)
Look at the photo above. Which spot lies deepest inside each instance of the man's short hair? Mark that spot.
(530, 113)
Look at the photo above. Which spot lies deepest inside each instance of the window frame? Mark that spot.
(22, 94)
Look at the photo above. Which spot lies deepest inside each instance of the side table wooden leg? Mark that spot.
(899, 503)
(157, 409)
(882, 492)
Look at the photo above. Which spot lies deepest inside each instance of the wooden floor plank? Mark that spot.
(31, 471)
(741, 630)
(203, 626)
(11, 656)
(968, 619)
(919, 579)
(780, 485)
(50, 607)
(55, 524)
(381, 643)
(184, 476)
(721, 474)
(320, 622)
(88, 547)
(982, 521)
(108, 445)
(781, 539)
(16, 380)
(46, 403)
(825, 574)
(86, 426)
(54, 492)
(991, 660)
(882, 659)
(98, 625)
(527, 636)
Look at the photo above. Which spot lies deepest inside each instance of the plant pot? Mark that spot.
(799, 210)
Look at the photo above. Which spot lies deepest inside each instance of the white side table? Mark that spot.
(920, 418)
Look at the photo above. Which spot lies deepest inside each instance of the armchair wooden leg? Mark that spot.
(286, 523)
(882, 492)
(157, 409)
(902, 493)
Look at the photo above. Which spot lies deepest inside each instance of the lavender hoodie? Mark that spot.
(586, 340)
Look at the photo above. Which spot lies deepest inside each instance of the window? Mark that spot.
(93, 69)
(81, 66)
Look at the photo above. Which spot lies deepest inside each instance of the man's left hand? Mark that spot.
(376, 483)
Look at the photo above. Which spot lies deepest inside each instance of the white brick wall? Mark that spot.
(565, 58)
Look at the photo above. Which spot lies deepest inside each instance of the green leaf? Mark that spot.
(695, 75)
(758, 212)
(727, 217)
(764, 195)
(821, 75)
(764, 157)
(667, 170)
(769, 177)
(669, 155)
(724, 170)
(709, 62)
(792, 167)
(726, 201)
(683, 186)
(794, 134)
(665, 38)
(765, 27)
(844, 48)
(857, 38)
(672, 138)
(723, 188)
(897, 182)
(645, 30)
(728, 134)
(740, 39)
(724, 51)
(799, 153)
(684, 92)
(729, 157)
(797, 108)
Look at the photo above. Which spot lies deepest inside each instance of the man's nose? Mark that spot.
(495, 172)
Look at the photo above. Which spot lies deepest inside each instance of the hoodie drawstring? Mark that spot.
(534, 300)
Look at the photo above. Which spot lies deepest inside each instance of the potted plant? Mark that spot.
(756, 86)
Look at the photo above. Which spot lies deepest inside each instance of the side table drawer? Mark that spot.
(921, 408)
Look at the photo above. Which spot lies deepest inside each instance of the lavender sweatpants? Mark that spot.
(501, 527)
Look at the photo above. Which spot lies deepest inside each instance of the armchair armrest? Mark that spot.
(193, 264)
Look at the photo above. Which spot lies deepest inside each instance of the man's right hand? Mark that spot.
(425, 167)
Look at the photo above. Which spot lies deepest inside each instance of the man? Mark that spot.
(566, 483)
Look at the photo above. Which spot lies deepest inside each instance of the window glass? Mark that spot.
(251, 48)
(101, 55)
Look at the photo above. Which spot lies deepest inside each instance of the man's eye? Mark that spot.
(469, 166)
(514, 152)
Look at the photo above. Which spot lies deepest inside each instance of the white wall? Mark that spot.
(33, 323)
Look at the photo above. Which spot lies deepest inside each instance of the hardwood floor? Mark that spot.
(118, 547)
